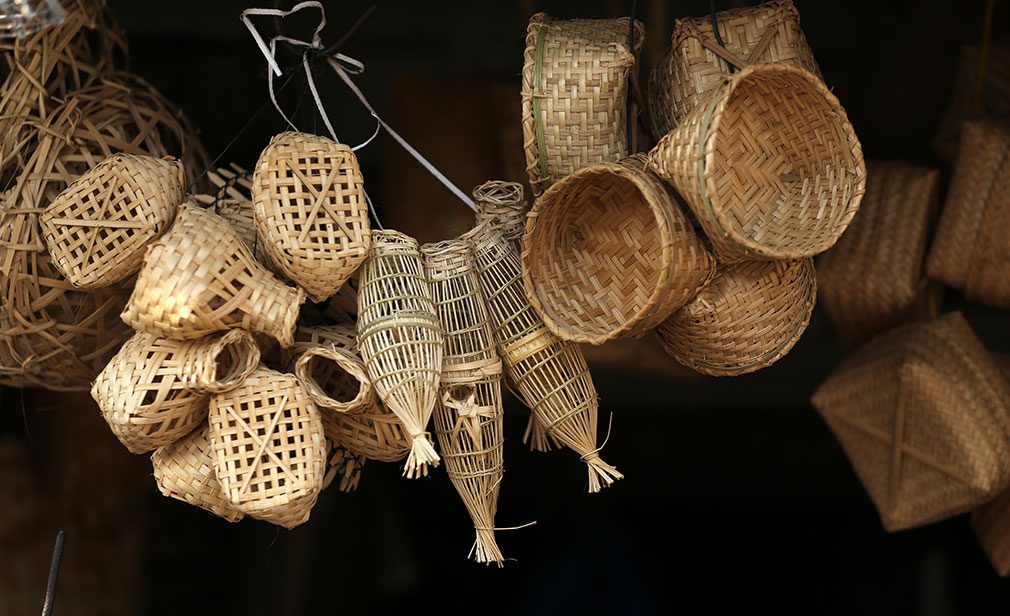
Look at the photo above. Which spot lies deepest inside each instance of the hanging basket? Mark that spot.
(502, 204)
(974, 96)
(768, 164)
(334, 377)
(184, 470)
(609, 254)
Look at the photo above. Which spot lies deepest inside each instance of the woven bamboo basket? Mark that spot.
(184, 470)
(696, 62)
(468, 414)
(326, 371)
(748, 318)
(769, 165)
(921, 413)
(269, 448)
(609, 254)
(199, 278)
(502, 203)
(550, 374)
(400, 339)
(311, 212)
(575, 94)
(975, 96)
(346, 467)
(872, 278)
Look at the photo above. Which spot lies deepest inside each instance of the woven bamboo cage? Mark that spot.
(502, 203)
(975, 96)
(872, 278)
(468, 414)
(184, 470)
(769, 165)
(269, 448)
(575, 83)
(696, 62)
(345, 466)
(921, 414)
(609, 254)
(400, 339)
(550, 374)
(311, 212)
(176, 299)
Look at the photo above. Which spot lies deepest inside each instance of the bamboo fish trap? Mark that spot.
(502, 204)
(184, 470)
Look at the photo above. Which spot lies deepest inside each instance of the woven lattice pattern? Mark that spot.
(503, 204)
(609, 254)
(335, 379)
(184, 470)
(769, 165)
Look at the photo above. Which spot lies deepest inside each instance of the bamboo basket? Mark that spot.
(575, 94)
(184, 470)
(872, 278)
(401, 340)
(696, 62)
(975, 96)
(468, 414)
(768, 164)
(503, 204)
(609, 254)
(748, 318)
(311, 212)
(269, 448)
(334, 378)
(921, 412)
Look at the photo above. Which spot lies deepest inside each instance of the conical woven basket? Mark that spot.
(199, 278)
(502, 203)
(748, 318)
(609, 254)
(768, 164)
(921, 412)
(184, 470)
(575, 94)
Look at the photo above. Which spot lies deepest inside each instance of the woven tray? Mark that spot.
(184, 470)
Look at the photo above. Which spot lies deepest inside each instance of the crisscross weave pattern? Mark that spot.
(184, 470)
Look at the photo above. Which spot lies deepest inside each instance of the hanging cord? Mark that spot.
(984, 54)
(715, 31)
(631, 48)
(54, 573)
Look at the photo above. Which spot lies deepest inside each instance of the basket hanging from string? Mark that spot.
(184, 470)
(502, 204)
(334, 376)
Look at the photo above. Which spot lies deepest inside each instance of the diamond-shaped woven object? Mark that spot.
(185, 470)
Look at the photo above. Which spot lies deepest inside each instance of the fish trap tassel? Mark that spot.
(485, 548)
(422, 454)
(601, 474)
(537, 437)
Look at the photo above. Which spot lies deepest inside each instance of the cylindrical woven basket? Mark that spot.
(502, 203)
(311, 211)
(199, 278)
(269, 448)
(746, 319)
(575, 94)
(921, 414)
(696, 63)
(609, 254)
(873, 276)
(768, 163)
(326, 373)
(184, 470)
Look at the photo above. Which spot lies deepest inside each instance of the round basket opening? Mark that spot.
(333, 381)
(234, 361)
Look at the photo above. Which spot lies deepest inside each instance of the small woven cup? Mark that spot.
(335, 379)
(502, 204)
(184, 470)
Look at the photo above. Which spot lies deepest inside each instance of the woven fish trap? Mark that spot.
(872, 278)
(969, 250)
(609, 254)
(503, 204)
(400, 339)
(768, 164)
(199, 278)
(269, 448)
(575, 83)
(98, 229)
(697, 63)
(921, 414)
(184, 470)
(311, 212)
(468, 414)
(550, 374)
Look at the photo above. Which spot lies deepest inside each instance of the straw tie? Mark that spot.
(468, 412)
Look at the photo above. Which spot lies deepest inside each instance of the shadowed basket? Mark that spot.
(184, 470)
(768, 164)
(991, 521)
(746, 319)
(334, 377)
(609, 254)
(974, 96)
(502, 203)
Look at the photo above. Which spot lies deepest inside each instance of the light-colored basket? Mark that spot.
(746, 319)
(503, 204)
(609, 254)
(768, 163)
(311, 211)
(184, 470)
(335, 378)
(921, 413)
(575, 94)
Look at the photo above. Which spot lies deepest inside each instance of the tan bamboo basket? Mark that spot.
(311, 212)
(326, 370)
(748, 318)
(872, 278)
(768, 164)
(199, 278)
(468, 414)
(400, 339)
(921, 413)
(345, 467)
(269, 448)
(575, 94)
(98, 229)
(503, 204)
(975, 96)
(184, 470)
(696, 63)
(550, 374)
(609, 254)
(969, 250)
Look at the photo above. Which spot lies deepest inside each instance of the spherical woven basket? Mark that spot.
(184, 470)
(502, 203)
(609, 254)
(768, 164)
